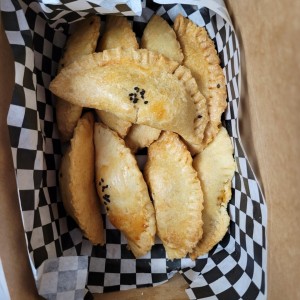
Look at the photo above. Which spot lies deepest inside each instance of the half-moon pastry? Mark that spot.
(215, 166)
(176, 193)
(76, 181)
(113, 122)
(81, 42)
(201, 57)
(123, 191)
(118, 33)
(159, 36)
(141, 136)
(139, 86)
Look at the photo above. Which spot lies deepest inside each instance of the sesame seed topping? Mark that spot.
(218, 85)
(146, 102)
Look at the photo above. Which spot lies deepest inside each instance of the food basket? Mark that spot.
(64, 263)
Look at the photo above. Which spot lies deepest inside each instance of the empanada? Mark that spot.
(201, 119)
(118, 33)
(139, 86)
(159, 36)
(113, 122)
(215, 166)
(141, 136)
(123, 191)
(177, 194)
(76, 181)
(201, 57)
(82, 41)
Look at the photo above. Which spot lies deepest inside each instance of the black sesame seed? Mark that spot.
(107, 200)
(136, 89)
(145, 102)
(105, 203)
(106, 195)
(102, 179)
(107, 208)
(218, 86)
(135, 100)
(199, 116)
(131, 98)
(100, 183)
(131, 94)
(142, 96)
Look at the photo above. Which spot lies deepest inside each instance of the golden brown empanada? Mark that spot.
(201, 57)
(82, 41)
(118, 33)
(76, 181)
(141, 136)
(139, 86)
(215, 166)
(123, 191)
(177, 194)
(113, 122)
(159, 36)
(201, 119)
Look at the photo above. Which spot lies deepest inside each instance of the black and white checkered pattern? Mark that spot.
(234, 269)
(56, 272)
(68, 11)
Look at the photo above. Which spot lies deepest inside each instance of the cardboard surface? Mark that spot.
(269, 37)
(13, 251)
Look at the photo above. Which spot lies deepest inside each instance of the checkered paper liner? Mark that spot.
(65, 262)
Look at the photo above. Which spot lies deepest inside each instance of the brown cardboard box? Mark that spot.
(269, 36)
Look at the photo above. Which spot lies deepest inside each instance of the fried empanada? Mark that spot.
(201, 57)
(215, 166)
(177, 194)
(113, 122)
(159, 36)
(82, 41)
(123, 191)
(118, 33)
(141, 136)
(201, 119)
(139, 86)
(76, 181)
